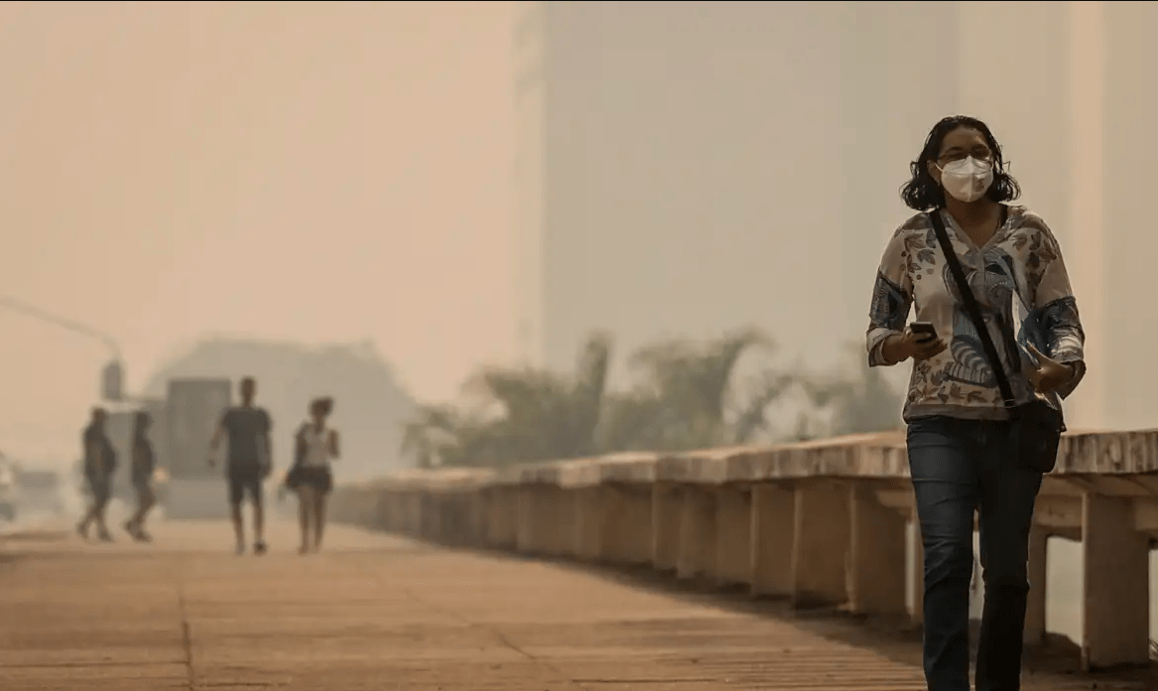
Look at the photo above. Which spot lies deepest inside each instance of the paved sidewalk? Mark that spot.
(377, 613)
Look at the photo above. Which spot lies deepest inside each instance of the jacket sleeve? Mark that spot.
(891, 299)
(1056, 308)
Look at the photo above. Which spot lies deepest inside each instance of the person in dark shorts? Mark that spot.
(143, 465)
(316, 446)
(100, 460)
(247, 428)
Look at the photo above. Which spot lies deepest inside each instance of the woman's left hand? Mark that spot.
(1050, 374)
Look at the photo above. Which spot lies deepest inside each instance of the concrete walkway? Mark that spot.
(376, 613)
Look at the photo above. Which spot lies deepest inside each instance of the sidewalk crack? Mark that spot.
(186, 635)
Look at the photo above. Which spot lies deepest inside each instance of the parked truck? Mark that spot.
(192, 410)
(40, 490)
(182, 426)
(7, 489)
(119, 423)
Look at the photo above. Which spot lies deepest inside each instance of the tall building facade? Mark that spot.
(685, 168)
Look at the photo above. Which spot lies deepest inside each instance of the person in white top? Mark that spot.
(315, 448)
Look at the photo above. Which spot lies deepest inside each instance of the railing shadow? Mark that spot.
(893, 637)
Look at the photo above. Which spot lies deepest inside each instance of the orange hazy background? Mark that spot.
(313, 172)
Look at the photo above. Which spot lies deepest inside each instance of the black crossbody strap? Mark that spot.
(973, 309)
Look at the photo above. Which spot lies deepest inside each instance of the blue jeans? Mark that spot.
(959, 466)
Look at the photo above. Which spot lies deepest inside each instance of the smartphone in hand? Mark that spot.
(924, 331)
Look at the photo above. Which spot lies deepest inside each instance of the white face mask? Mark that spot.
(968, 179)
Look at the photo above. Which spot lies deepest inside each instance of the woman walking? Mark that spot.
(143, 465)
(996, 344)
(316, 446)
(99, 464)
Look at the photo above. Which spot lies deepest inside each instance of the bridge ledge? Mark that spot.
(818, 522)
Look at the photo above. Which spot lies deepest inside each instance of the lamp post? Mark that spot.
(112, 376)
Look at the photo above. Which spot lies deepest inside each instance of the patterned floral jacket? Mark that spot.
(1021, 284)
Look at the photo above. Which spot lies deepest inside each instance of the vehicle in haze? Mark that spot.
(183, 423)
(193, 409)
(7, 489)
(40, 491)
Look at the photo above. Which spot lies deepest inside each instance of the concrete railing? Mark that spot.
(822, 522)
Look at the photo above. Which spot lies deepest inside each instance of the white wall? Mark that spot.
(710, 165)
(1131, 241)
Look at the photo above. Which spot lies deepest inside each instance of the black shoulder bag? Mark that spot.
(1036, 426)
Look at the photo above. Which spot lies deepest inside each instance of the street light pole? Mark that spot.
(112, 375)
(67, 324)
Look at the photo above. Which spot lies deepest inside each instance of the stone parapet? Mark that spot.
(822, 523)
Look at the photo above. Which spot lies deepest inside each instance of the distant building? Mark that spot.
(687, 167)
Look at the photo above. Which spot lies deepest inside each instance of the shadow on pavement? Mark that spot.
(893, 637)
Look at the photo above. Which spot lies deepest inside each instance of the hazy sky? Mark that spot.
(284, 170)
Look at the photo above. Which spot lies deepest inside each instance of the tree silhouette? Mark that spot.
(528, 414)
(684, 398)
(860, 401)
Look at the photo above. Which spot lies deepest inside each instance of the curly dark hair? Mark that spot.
(922, 192)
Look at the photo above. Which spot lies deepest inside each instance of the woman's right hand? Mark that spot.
(907, 345)
(921, 347)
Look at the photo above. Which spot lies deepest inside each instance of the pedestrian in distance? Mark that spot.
(315, 448)
(249, 461)
(144, 464)
(100, 462)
